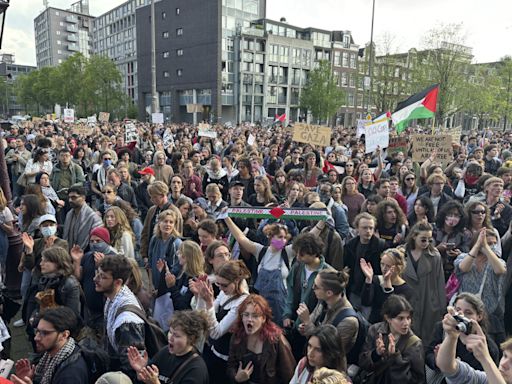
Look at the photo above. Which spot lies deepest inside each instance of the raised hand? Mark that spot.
(137, 362)
(28, 242)
(24, 369)
(76, 253)
(303, 313)
(98, 256)
(367, 270)
(244, 374)
(380, 348)
(391, 344)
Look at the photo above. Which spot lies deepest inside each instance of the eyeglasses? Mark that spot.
(410, 178)
(248, 315)
(43, 332)
(430, 240)
(478, 212)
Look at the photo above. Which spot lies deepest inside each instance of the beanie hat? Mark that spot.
(102, 233)
(39, 175)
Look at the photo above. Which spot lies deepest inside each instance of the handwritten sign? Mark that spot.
(397, 144)
(455, 132)
(361, 125)
(91, 121)
(377, 135)
(312, 134)
(157, 118)
(424, 145)
(82, 130)
(193, 108)
(69, 115)
(104, 117)
(205, 130)
(168, 138)
(251, 139)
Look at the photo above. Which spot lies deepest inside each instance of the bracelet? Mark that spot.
(470, 255)
(388, 290)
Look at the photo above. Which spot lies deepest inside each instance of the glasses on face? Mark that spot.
(478, 211)
(410, 179)
(107, 158)
(426, 240)
(248, 315)
(44, 333)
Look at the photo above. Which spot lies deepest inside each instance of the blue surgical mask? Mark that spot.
(494, 248)
(107, 163)
(49, 231)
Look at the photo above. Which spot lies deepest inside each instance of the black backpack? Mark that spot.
(154, 338)
(353, 354)
(96, 358)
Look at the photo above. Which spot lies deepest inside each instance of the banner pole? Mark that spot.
(433, 124)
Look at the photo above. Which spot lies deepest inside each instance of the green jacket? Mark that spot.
(77, 176)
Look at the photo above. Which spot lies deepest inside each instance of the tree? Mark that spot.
(482, 92)
(443, 60)
(505, 94)
(321, 94)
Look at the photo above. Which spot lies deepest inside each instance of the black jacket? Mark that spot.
(72, 370)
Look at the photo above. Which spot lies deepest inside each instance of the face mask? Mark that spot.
(48, 231)
(494, 248)
(472, 180)
(278, 243)
(451, 221)
(100, 247)
(107, 163)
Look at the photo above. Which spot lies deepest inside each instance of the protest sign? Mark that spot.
(130, 132)
(361, 125)
(397, 144)
(206, 130)
(192, 108)
(251, 139)
(69, 115)
(424, 145)
(312, 134)
(157, 118)
(455, 132)
(82, 130)
(377, 135)
(168, 138)
(91, 120)
(37, 120)
(104, 117)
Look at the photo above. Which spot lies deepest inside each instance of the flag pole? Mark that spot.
(434, 124)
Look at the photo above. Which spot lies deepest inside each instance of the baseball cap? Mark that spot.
(147, 171)
(47, 217)
(235, 183)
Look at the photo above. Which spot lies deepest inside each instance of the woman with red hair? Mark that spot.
(258, 351)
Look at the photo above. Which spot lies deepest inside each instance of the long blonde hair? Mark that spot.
(3, 200)
(162, 216)
(194, 259)
(116, 233)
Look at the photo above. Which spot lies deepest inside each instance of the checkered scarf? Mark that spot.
(48, 363)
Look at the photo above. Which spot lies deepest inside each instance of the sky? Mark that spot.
(487, 23)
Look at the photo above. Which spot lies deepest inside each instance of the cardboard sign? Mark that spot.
(69, 115)
(91, 121)
(130, 132)
(193, 108)
(424, 145)
(455, 132)
(157, 118)
(104, 117)
(361, 125)
(205, 130)
(168, 138)
(312, 134)
(377, 135)
(251, 139)
(82, 130)
(397, 144)
(37, 120)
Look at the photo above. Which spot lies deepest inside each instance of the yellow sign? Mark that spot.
(424, 145)
(312, 134)
(104, 117)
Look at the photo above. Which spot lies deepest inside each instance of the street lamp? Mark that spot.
(4, 4)
(4, 176)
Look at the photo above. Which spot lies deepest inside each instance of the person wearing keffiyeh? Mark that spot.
(61, 362)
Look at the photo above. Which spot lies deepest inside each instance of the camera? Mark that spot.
(463, 324)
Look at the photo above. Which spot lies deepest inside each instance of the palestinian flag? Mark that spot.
(419, 106)
(279, 119)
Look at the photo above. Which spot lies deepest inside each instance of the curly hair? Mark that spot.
(452, 205)
(381, 211)
(193, 323)
(270, 331)
(309, 244)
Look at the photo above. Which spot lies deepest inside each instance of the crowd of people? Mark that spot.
(130, 268)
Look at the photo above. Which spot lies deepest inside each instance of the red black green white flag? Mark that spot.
(422, 105)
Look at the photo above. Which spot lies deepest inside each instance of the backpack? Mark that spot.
(353, 354)
(96, 358)
(154, 337)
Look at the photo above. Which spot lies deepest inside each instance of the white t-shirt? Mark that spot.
(271, 259)
(6, 216)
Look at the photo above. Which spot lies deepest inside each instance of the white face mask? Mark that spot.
(49, 231)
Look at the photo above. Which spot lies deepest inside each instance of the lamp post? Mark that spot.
(4, 176)
(370, 64)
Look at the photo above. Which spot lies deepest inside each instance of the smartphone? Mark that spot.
(450, 246)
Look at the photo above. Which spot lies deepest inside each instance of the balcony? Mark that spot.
(283, 80)
(71, 19)
(72, 38)
(72, 29)
(281, 100)
(73, 47)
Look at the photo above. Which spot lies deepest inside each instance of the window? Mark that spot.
(59, 42)
(165, 35)
(164, 15)
(179, 72)
(179, 52)
(166, 73)
(177, 11)
(165, 54)
(57, 13)
(58, 32)
(179, 31)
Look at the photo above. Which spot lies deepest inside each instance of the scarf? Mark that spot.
(123, 297)
(48, 363)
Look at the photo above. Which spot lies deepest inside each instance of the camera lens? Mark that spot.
(461, 327)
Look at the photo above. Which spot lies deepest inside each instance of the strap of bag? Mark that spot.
(134, 309)
(182, 366)
(483, 282)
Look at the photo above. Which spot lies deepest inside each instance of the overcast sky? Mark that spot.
(487, 23)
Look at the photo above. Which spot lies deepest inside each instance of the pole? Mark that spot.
(370, 65)
(154, 96)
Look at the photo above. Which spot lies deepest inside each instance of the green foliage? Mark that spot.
(89, 85)
(321, 94)
(504, 95)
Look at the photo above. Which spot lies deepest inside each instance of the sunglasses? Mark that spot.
(427, 240)
(409, 179)
(478, 212)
